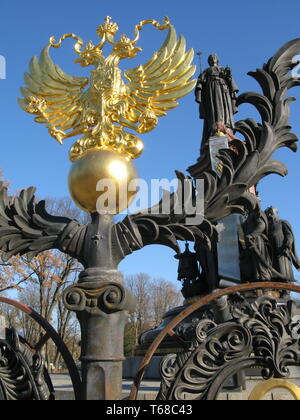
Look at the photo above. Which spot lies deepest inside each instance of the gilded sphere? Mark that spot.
(99, 181)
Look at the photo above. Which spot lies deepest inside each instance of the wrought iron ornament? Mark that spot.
(22, 372)
(263, 333)
(36, 349)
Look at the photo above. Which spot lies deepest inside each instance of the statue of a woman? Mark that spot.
(216, 93)
(282, 241)
(255, 260)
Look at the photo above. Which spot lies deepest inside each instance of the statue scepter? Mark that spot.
(199, 53)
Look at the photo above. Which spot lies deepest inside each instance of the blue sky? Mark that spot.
(243, 34)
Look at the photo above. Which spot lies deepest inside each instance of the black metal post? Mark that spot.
(102, 305)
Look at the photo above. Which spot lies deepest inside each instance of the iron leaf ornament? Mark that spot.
(262, 333)
(27, 228)
(22, 371)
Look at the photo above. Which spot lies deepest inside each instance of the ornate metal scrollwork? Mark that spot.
(263, 333)
(108, 298)
(22, 372)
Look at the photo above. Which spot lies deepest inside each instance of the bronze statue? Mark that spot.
(188, 272)
(195, 283)
(282, 242)
(216, 93)
(255, 260)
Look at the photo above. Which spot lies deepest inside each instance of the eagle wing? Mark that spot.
(154, 88)
(54, 96)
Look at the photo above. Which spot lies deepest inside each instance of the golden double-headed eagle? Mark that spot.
(108, 105)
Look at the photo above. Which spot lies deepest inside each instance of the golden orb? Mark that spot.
(101, 181)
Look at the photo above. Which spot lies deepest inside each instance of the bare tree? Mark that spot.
(139, 285)
(164, 296)
(13, 275)
(154, 298)
(53, 272)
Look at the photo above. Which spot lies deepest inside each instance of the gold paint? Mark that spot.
(264, 387)
(109, 105)
(100, 165)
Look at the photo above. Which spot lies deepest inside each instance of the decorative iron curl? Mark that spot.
(108, 298)
(258, 335)
(240, 364)
(49, 333)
